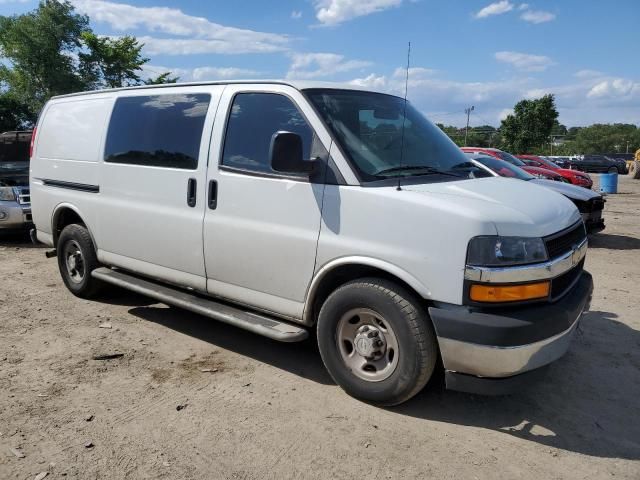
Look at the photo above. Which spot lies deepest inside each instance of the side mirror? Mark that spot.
(285, 154)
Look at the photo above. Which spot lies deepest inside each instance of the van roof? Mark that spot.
(299, 85)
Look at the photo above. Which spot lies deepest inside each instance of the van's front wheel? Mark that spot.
(376, 341)
(76, 260)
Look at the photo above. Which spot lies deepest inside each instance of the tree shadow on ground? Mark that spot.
(585, 403)
(19, 239)
(614, 242)
(302, 359)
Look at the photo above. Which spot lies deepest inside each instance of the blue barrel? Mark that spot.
(609, 183)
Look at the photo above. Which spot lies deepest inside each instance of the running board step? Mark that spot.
(254, 322)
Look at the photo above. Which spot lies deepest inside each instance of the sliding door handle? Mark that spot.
(213, 194)
(192, 192)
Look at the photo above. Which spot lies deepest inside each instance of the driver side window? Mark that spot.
(253, 120)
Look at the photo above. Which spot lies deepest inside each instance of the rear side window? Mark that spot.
(254, 118)
(157, 130)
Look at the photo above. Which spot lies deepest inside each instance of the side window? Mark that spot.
(157, 130)
(253, 120)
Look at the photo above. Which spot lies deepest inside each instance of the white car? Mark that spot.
(282, 207)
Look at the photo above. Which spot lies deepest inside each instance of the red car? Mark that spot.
(577, 178)
(507, 157)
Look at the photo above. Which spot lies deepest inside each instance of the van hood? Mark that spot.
(516, 208)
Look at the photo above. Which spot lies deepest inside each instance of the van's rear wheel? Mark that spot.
(376, 341)
(612, 170)
(76, 260)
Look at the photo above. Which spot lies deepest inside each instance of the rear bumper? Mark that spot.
(495, 346)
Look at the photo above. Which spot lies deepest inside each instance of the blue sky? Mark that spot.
(464, 52)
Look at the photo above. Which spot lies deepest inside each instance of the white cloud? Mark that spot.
(537, 16)
(616, 88)
(587, 73)
(192, 46)
(317, 65)
(583, 101)
(222, 73)
(214, 38)
(371, 81)
(200, 74)
(523, 6)
(414, 73)
(333, 12)
(296, 14)
(496, 8)
(524, 61)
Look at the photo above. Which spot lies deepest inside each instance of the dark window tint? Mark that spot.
(254, 118)
(157, 130)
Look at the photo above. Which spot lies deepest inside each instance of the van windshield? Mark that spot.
(368, 127)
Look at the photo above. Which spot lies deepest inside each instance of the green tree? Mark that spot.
(161, 79)
(606, 138)
(41, 48)
(13, 113)
(111, 62)
(530, 126)
(52, 51)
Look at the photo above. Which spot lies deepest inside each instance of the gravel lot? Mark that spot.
(261, 409)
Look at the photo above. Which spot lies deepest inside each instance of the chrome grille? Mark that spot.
(564, 241)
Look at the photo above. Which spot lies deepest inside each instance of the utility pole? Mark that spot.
(466, 132)
(627, 147)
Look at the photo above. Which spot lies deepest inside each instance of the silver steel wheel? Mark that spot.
(367, 344)
(74, 261)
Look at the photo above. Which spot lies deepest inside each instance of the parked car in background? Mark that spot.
(562, 162)
(575, 177)
(599, 164)
(590, 204)
(507, 157)
(15, 200)
(277, 207)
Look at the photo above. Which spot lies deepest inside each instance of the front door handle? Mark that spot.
(213, 194)
(192, 192)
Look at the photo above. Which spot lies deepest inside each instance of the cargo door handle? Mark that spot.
(192, 190)
(213, 194)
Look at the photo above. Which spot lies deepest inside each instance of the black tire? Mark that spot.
(612, 170)
(416, 341)
(73, 241)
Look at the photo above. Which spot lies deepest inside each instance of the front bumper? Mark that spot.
(495, 346)
(14, 216)
(593, 221)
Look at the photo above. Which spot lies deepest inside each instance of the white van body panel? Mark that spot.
(270, 241)
(260, 241)
(155, 232)
(406, 228)
(68, 149)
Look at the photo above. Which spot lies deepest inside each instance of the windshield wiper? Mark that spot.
(423, 168)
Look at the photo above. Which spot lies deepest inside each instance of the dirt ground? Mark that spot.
(270, 410)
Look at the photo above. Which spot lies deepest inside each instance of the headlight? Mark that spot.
(504, 251)
(7, 194)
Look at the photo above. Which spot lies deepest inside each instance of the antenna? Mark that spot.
(404, 114)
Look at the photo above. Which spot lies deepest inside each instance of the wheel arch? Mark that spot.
(340, 271)
(66, 214)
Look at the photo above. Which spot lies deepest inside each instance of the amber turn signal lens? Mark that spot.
(509, 293)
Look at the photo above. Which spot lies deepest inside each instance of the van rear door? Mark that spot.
(152, 191)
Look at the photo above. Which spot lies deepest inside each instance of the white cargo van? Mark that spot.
(285, 208)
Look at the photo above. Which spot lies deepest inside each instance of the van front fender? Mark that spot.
(375, 264)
